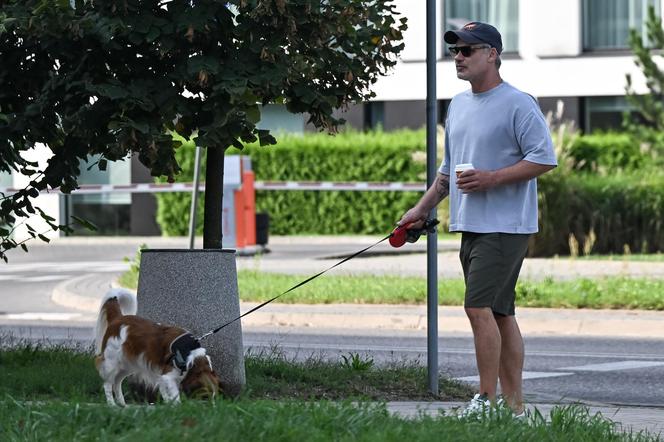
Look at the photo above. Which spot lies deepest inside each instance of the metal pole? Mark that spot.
(194, 198)
(432, 238)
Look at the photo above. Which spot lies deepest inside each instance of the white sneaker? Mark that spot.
(523, 416)
(478, 405)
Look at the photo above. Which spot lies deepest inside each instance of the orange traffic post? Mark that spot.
(249, 194)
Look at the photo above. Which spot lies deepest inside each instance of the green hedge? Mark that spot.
(348, 156)
(602, 214)
(606, 152)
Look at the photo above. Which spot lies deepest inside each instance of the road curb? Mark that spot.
(65, 296)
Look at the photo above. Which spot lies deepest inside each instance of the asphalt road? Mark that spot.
(613, 371)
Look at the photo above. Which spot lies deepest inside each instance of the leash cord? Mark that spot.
(348, 258)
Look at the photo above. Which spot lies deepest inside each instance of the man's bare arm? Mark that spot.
(438, 191)
(481, 180)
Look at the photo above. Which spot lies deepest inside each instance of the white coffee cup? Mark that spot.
(460, 168)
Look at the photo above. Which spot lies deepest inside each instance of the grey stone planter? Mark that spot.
(197, 290)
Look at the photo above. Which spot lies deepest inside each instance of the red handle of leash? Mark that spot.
(406, 233)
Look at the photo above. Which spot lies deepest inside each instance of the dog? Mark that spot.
(163, 357)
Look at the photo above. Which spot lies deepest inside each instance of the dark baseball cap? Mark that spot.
(476, 32)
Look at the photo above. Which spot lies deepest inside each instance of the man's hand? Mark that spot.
(415, 217)
(476, 180)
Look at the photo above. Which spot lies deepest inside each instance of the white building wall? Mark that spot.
(550, 28)
(49, 203)
(550, 61)
(415, 37)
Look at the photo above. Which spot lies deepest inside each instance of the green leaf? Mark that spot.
(112, 91)
(103, 164)
(254, 114)
(265, 138)
(85, 223)
(44, 238)
(153, 34)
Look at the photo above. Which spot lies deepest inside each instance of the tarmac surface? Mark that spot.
(309, 255)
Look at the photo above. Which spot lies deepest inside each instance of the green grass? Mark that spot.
(287, 421)
(599, 293)
(38, 373)
(55, 394)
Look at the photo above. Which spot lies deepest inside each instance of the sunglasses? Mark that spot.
(466, 51)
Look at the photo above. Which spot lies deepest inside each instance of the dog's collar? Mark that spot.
(181, 348)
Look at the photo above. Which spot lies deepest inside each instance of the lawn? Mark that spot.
(54, 394)
(600, 293)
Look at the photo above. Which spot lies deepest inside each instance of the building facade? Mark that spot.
(576, 51)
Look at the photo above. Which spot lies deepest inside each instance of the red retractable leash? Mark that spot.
(403, 234)
(398, 237)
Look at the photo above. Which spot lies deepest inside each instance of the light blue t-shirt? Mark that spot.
(492, 130)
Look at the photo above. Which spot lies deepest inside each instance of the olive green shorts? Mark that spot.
(491, 263)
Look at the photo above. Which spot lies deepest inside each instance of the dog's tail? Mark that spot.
(115, 303)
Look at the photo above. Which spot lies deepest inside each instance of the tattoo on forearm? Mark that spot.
(443, 187)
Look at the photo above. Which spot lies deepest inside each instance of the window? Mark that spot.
(503, 14)
(6, 179)
(110, 212)
(374, 115)
(277, 119)
(606, 23)
(604, 113)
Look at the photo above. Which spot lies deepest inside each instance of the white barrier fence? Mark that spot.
(358, 186)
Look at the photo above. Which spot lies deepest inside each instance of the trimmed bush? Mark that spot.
(613, 214)
(348, 156)
(606, 152)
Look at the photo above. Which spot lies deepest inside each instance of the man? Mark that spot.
(502, 132)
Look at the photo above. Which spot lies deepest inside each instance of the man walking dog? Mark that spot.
(497, 140)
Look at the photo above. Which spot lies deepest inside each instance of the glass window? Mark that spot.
(117, 172)
(374, 115)
(110, 212)
(6, 179)
(604, 113)
(503, 14)
(606, 23)
(277, 119)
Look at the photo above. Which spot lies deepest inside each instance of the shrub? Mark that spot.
(348, 156)
(606, 153)
(613, 214)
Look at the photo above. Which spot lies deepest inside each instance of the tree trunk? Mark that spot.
(214, 193)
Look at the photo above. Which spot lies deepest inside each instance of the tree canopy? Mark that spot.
(113, 77)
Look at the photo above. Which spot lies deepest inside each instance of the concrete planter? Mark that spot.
(197, 290)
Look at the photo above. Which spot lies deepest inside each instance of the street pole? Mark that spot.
(194, 197)
(432, 238)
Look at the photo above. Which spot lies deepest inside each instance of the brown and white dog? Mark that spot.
(164, 357)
